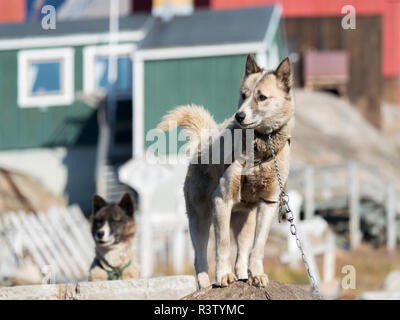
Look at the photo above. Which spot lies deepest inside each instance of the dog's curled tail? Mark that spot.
(193, 118)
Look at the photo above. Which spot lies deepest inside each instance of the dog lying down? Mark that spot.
(223, 194)
(113, 230)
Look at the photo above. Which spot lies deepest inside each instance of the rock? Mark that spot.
(392, 281)
(243, 291)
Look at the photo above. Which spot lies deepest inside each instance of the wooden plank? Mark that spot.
(309, 192)
(178, 249)
(60, 244)
(86, 247)
(39, 240)
(160, 288)
(83, 224)
(364, 88)
(8, 257)
(37, 255)
(59, 263)
(329, 258)
(145, 245)
(354, 227)
(15, 241)
(390, 206)
(75, 253)
(312, 264)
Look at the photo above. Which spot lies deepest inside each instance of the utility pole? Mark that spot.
(112, 65)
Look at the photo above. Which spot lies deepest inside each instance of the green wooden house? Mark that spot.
(45, 129)
(48, 131)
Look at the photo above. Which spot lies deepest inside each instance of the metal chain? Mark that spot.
(284, 204)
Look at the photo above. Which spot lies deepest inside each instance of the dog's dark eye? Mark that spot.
(261, 97)
(243, 95)
(99, 222)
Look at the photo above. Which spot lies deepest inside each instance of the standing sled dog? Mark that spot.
(226, 195)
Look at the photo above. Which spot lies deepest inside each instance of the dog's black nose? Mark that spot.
(100, 234)
(240, 116)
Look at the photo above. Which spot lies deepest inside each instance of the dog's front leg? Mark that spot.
(265, 217)
(225, 196)
(222, 215)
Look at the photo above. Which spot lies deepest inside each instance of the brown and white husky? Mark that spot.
(113, 230)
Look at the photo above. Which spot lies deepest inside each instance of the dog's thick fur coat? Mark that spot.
(113, 229)
(223, 194)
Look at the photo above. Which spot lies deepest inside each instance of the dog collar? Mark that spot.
(116, 272)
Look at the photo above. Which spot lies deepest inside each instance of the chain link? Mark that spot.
(284, 204)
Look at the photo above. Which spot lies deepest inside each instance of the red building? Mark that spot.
(12, 11)
(15, 11)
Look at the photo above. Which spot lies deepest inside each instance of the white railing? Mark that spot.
(163, 243)
(316, 239)
(57, 242)
(346, 184)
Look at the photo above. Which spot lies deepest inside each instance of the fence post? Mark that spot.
(145, 241)
(295, 202)
(329, 258)
(178, 250)
(354, 190)
(309, 207)
(391, 234)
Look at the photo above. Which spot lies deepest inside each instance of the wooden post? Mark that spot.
(178, 249)
(309, 192)
(354, 206)
(145, 241)
(312, 264)
(329, 258)
(391, 234)
(295, 201)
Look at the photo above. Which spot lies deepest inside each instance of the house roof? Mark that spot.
(71, 27)
(201, 29)
(205, 27)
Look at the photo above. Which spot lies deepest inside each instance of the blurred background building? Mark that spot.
(366, 67)
(77, 101)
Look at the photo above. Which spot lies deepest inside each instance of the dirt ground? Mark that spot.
(371, 265)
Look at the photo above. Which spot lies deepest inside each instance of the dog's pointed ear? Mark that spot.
(98, 203)
(127, 205)
(251, 65)
(284, 74)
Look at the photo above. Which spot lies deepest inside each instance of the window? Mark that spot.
(45, 77)
(96, 69)
(124, 79)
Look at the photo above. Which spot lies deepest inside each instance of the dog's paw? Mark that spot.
(203, 280)
(259, 280)
(226, 279)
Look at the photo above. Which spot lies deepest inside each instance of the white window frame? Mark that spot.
(66, 97)
(273, 57)
(89, 58)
